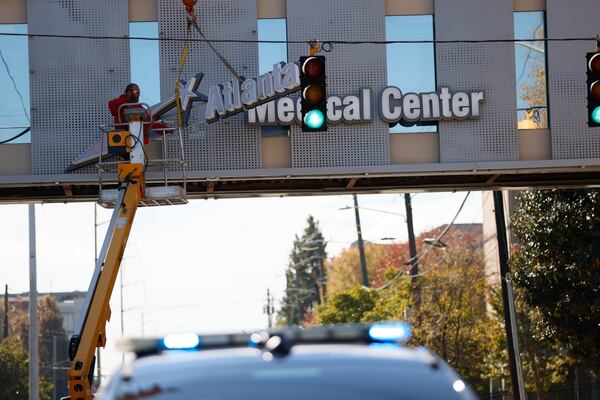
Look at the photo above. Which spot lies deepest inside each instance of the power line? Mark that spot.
(341, 42)
(420, 256)
(15, 85)
(16, 136)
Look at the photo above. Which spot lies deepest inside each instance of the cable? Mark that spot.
(420, 256)
(328, 42)
(16, 137)
(136, 142)
(15, 86)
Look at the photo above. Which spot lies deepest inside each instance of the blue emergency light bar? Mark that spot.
(274, 340)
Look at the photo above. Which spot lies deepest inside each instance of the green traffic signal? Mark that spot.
(596, 115)
(315, 119)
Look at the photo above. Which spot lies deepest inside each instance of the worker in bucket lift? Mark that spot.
(131, 95)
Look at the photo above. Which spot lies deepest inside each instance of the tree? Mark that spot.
(348, 306)
(50, 325)
(305, 275)
(557, 266)
(452, 320)
(344, 271)
(14, 372)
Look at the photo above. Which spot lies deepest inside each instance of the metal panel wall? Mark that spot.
(473, 67)
(567, 89)
(230, 143)
(73, 79)
(351, 67)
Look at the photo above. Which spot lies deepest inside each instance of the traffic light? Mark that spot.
(314, 94)
(593, 83)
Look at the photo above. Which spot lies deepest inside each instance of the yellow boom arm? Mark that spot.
(97, 310)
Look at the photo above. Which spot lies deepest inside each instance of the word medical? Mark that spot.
(232, 97)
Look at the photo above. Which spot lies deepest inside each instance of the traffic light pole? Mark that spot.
(414, 263)
(510, 320)
(361, 245)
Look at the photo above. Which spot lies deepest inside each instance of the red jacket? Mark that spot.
(114, 105)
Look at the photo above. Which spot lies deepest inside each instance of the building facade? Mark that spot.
(527, 128)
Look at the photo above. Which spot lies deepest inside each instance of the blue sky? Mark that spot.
(12, 113)
(528, 25)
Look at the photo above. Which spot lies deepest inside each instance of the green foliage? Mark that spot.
(348, 306)
(14, 370)
(305, 276)
(558, 268)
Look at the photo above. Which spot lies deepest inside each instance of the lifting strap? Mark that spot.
(181, 65)
(221, 57)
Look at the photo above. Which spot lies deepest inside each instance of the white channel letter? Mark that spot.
(460, 105)
(291, 76)
(476, 99)
(389, 114)
(249, 95)
(215, 103)
(228, 96)
(265, 113)
(430, 103)
(285, 111)
(411, 107)
(445, 97)
(334, 109)
(265, 86)
(351, 109)
(366, 104)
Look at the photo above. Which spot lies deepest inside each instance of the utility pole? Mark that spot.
(510, 320)
(122, 321)
(5, 332)
(54, 337)
(34, 367)
(361, 245)
(414, 264)
(269, 309)
(298, 303)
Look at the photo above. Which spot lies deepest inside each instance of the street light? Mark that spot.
(435, 242)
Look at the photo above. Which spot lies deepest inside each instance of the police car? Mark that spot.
(339, 362)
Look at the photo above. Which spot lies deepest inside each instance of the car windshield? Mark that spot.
(293, 379)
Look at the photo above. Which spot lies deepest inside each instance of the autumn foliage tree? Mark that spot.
(451, 320)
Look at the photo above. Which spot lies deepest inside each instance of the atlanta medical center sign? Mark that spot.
(264, 100)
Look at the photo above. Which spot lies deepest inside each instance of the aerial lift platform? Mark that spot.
(131, 192)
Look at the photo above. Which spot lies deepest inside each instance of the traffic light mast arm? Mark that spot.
(314, 47)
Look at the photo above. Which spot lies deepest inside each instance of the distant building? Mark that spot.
(70, 305)
(490, 243)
